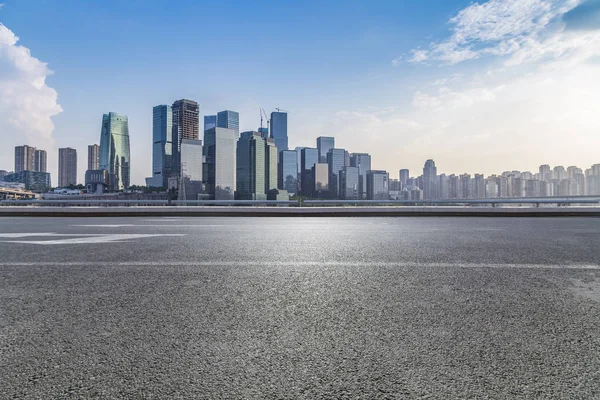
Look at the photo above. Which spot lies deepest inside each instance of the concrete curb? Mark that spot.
(299, 212)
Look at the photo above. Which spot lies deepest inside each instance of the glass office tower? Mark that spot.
(220, 162)
(270, 165)
(191, 159)
(210, 121)
(349, 183)
(230, 120)
(324, 144)
(336, 160)
(250, 175)
(163, 159)
(288, 171)
(279, 131)
(309, 157)
(114, 148)
(363, 162)
(378, 185)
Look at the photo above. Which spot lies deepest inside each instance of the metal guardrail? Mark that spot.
(591, 200)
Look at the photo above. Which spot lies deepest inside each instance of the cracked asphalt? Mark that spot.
(307, 308)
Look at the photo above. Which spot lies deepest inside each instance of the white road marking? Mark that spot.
(107, 226)
(40, 234)
(92, 239)
(167, 263)
(149, 225)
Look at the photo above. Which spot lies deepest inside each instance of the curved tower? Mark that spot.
(114, 148)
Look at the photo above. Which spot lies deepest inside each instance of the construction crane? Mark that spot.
(280, 110)
(263, 113)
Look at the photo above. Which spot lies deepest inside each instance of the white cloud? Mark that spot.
(27, 104)
(501, 28)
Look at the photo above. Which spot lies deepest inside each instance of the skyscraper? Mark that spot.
(545, 173)
(336, 160)
(324, 144)
(363, 162)
(40, 161)
(349, 183)
(114, 148)
(230, 120)
(186, 125)
(320, 172)
(250, 175)
(164, 162)
(191, 159)
(404, 175)
(378, 185)
(308, 158)
(210, 121)
(67, 167)
(220, 162)
(288, 171)
(279, 130)
(271, 157)
(430, 181)
(93, 157)
(24, 158)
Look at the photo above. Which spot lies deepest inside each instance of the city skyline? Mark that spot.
(400, 85)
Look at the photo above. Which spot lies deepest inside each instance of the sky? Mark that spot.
(480, 87)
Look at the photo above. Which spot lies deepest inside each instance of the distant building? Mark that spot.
(479, 186)
(186, 125)
(271, 157)
(378, 185)
(264, 132)
(67, 167)
(430, 181)
(114, 148)
(191, 159)
(164, 152)
(24, 158)
(93, 157)
(250, 175)
(559, 173)
(230, 120)
(320, 172)
(324, 144)
(100, 181)
(363, 162)
(349, 183)
(336, 160)
(309, 157)
(545, 173)
(35, 181)
(404, 175)
(220, 166)
(40, 161)
(279, 130)
(210, 121)
(288, 171)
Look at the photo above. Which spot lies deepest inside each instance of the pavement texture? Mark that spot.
(309, 308)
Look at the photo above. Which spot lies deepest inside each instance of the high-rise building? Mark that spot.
(93, 157)
(67, 167)
(430, 181)
(210, 121)
(191, 159)
(271, 157)
(466, 187)
(298, 151)
(114, 148)
(35, 181)
(264, 132)
(479, 186)
(220, 162)
(250, 175)
(324, 144)
(24, 158)
(336, 161)
(378, 185)
(349, 183)
(164, 162)
(288, 171)
(559, 173)
(279, 130)
(404, 175)
(443, 185)
(545, 173)
(186, 125)
(230, 120)
(40, 161)
(309, 157)
(363, 162)
(320, 172)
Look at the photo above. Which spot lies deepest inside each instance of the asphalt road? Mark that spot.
(266, 308)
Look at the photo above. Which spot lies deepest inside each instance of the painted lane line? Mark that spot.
(107, 226)
(93, 239)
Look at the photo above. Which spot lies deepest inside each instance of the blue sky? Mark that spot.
(404, 80)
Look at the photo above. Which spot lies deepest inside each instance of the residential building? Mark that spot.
(545, 173)
(67, 167)
(24, 158)
(93, 157)
(40, 161)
